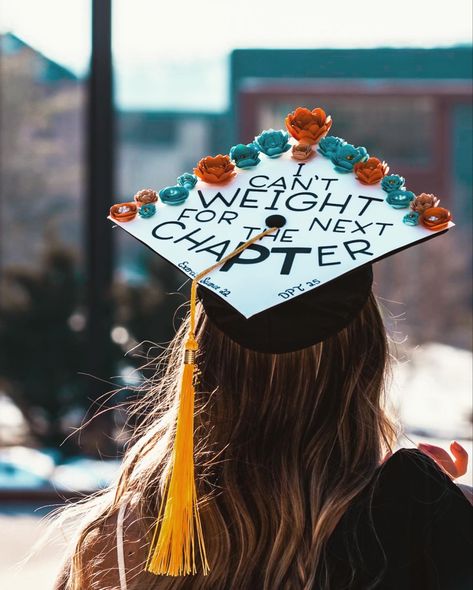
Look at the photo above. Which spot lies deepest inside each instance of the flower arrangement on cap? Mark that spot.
(265, 438)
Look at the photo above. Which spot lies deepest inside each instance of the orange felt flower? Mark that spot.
(145, 196)
(302, 151)
(371, 171)
(423, 202)
(435, 218)
(215, 169)
(308, 126)
(123, 211)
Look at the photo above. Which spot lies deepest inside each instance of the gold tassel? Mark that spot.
(173, 551)
(178, 528)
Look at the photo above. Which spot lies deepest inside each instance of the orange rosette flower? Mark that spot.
(146, 196)
(215, 169)
(123, 211)
(423, 202)
(371, 171)
(308, 126)
(302, 151)
(435, 218)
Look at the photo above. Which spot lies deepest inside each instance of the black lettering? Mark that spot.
(325, 251)
(263, 253)
(311, 204)
(324, 227)
(363, 250)
(285, 237)
(299, 182)
(280, 182)
(361, 227)
(329, 181)
(253, 178)
(246, 199)
(195, 242)
(340, 229)
(251, 229)
(228, 216)
(383, 226)
(273, 207)
(155, 230)
(299, 168)
(341, 206)
(213, 249)
(183, 213)
(217, 197)
(203, 216)
(369, 200)
(289, 258)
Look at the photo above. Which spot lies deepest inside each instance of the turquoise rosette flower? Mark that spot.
(173, 195)
(347, 155)
(245, 156)
(273, 143)
(328, 145)
(411, 218)
(392, 182)
(400, 199)
(147, 210)
(187, 180)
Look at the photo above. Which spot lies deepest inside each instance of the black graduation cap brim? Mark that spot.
(298, 323)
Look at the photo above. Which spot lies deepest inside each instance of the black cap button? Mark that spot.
(275, 221)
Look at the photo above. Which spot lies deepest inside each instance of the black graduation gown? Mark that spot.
(424, 526)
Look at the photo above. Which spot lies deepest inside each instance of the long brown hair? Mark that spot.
(284, 444)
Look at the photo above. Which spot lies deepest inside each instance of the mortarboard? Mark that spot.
(278, 237)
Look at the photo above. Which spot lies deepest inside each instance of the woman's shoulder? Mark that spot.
(412, 475)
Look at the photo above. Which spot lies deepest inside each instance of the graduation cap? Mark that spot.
(278, 237)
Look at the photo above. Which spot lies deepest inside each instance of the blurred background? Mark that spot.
(101, 98)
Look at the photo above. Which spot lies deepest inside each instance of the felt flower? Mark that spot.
(215, 169)
(308, 126)
(302, 151)
(424, 201)
(371, 171)
(393, 182)
(411, 218)
(347, 155)
(435, 218)
(273, 143)
(173, 195)
(245, 156)
(187, 180)
(123, 211)
(147, 210)
(147, 195)
(400, 199)
(328, 145)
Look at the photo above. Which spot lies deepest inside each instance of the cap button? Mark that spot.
(275, 221)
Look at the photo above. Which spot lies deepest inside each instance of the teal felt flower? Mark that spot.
(400, 199)
(187, 180)
(173, 195)
(147, 210)
(273, 143)
(346, 156)
(245, 156)
(328, 145)
(392, 182)
(411, 218)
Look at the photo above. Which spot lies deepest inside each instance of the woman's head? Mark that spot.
(284, 442)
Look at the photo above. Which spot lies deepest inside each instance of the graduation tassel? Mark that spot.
(178, 528)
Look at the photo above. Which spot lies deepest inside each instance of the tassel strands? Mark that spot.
(178, 528)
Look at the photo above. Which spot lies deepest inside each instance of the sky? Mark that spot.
(156, 41)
